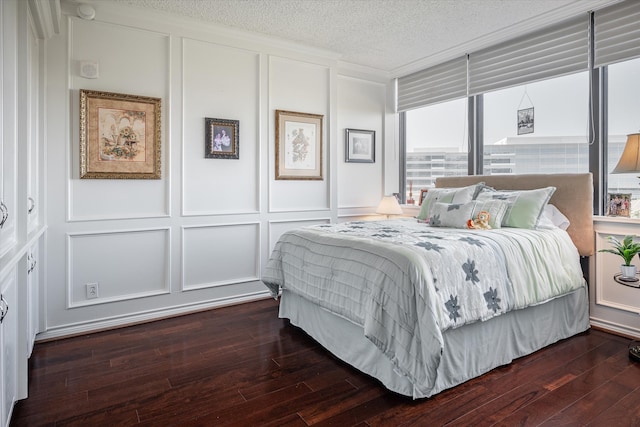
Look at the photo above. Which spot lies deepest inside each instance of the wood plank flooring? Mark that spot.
(243, 366)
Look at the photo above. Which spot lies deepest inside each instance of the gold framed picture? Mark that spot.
(119, 136)
(298, 145)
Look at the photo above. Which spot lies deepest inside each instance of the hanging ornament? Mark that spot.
(525, 115)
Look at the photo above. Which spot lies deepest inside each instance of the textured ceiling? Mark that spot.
(385, 34)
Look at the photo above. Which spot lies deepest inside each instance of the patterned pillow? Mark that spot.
(457, 215)
(524, 207)
(451, 214)
(447, 195)
(496, 208)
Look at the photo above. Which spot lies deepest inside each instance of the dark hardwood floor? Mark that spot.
(241, 365)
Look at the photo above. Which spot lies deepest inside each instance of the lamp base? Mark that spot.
(634, 351)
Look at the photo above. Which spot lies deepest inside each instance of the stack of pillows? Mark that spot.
(454, 207)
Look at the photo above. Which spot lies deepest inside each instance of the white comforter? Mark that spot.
(405, 282)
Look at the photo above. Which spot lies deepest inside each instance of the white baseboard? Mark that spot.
(615, 328)
(69, 330)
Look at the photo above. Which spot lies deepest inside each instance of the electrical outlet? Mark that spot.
(92, 290)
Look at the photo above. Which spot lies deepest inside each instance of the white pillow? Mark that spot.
(552, 218)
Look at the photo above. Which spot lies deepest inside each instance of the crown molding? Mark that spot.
(46, 16)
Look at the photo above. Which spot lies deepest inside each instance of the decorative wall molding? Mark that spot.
(226, 256)
(120, 265)
(46, 16)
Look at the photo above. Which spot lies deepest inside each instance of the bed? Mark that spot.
(425, 307)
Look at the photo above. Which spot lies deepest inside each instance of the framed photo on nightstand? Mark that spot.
(619, 204)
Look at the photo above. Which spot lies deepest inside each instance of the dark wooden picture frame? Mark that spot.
(222, 139)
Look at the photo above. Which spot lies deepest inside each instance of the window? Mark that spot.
(553, 127)
(436, 144)
(623, 118)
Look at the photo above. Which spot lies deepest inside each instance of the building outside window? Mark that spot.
(436, 144)
(556, 141)
(437, 141)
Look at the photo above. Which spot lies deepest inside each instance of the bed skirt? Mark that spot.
(469, 351)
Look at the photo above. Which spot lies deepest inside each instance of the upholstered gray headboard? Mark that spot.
(573, 197)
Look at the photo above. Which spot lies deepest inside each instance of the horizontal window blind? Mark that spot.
(617, 33)
(551, 52)
(440, 83)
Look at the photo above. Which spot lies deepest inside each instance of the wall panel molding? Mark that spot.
(109, 199)
(220, 254)
(126, 265)
(205, 182)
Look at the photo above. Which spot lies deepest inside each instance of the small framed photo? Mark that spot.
(619, 204)
(298, 145)
(525, 121)
(360, 146)
(119, 136)
(221, 139)
(423, 194)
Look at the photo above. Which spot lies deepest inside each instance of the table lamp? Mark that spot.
(389, 206)
(630, 160)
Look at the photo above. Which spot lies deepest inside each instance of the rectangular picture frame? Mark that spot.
(298, 148)
(360, 146)
(423, 195)
(619, 204)
(525, 121)
(222, 138)
(120, 136)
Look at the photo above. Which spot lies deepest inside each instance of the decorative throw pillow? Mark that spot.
(453, 215)
(524, 207)
(456, 215)
(496, 208)
(446, 195)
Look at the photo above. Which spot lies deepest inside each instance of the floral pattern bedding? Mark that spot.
(406, 282)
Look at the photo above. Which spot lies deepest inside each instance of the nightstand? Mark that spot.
(614, 303)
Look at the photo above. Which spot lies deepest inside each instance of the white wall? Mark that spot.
(200, 236)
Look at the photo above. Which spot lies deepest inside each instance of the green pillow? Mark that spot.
(446, 195)
(524, 207)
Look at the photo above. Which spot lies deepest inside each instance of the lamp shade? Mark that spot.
(389, 206)
(630, 160)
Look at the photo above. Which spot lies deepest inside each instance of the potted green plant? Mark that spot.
(627, 249)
